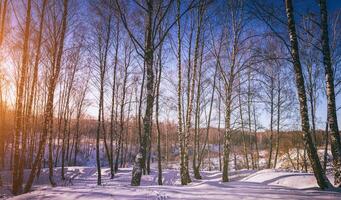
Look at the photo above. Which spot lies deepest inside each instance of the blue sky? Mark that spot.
(300, 6)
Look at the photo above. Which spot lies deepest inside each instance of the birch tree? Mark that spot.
(321, 178)
(19, 111)
(331, 105)
(48, 113)
(150, 10)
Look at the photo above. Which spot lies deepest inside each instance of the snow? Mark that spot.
(295, 180)
(244, 184)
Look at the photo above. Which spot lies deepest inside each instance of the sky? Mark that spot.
(300, 5)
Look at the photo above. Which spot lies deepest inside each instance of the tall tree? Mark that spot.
(147, 120)
(331, 105)
(103, 36)
(237, 21)
(72, 66)
(320, 176)
(152, 23)
(157, 111)
(32, 93)
(191, 86)
(19, 111)
(127, 63)
(179, 98)
(48, 112)
(112, 118)
(56, 66)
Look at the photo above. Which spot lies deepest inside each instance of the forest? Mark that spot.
(170, 99)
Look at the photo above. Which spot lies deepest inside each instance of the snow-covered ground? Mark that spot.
(244, 184)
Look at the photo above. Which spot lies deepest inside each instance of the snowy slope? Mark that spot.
(265, 184)
(296, 180)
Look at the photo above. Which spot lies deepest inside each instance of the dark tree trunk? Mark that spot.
(271, 121)
(119, 151)
(191, 90)
(159, 180)
(219, 132)
(112, 120)
(325, 156)
(159, 163)
(147, 120)
(196, 146)
(20, 135)
(278, 119)
(98, 162)
(255, 135)
(320, 176)
(48, 114)
(331, 106)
